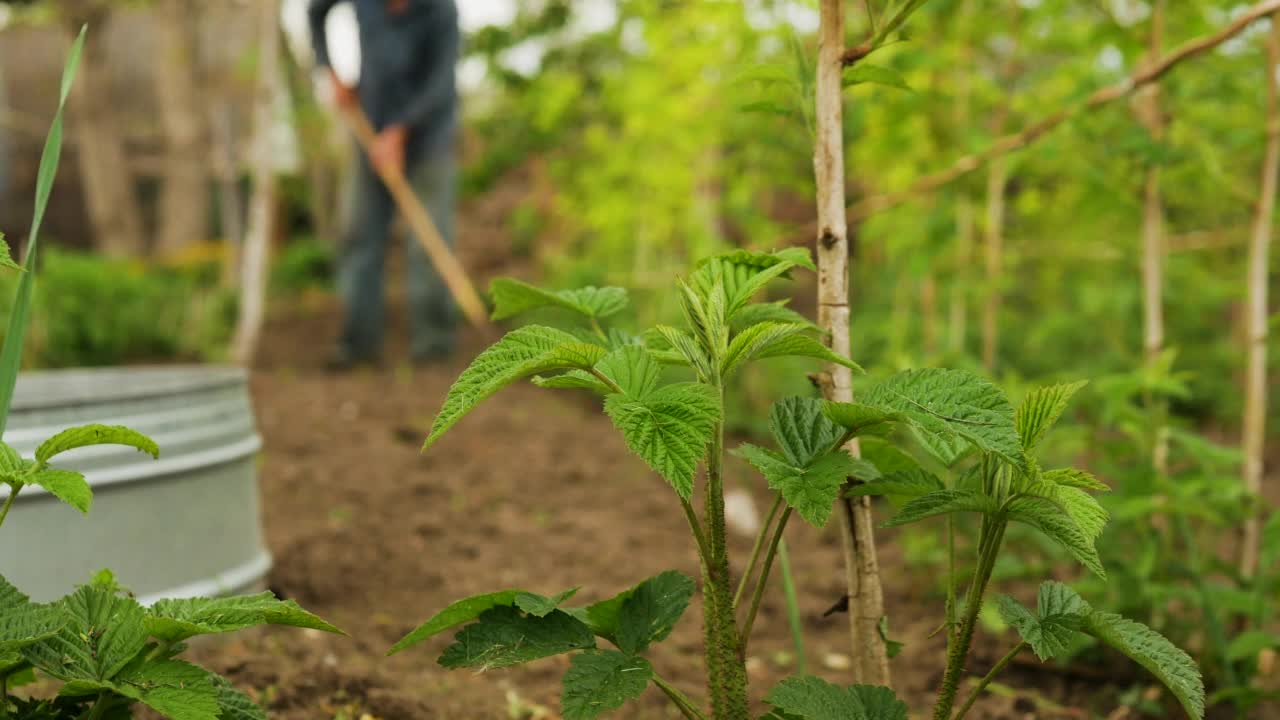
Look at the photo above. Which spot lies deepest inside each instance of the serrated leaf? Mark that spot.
(743, 273)
(770, 339)
(87, 435)
(1071, 477)
(875, 74)
(513, 297)
(810, 698)
(887, 457)
(802, 429)
(67, 485)
(233, 704)
(1040, 409)
(10, 460)
(942, 502)
(101, 633)
(468, 609)
(1152, 651)
(598, 681)
(861, 419)
(522, 352)
(1049, 519)
(947, 450)
(6, 259)
(1079, 505)
(811, 490)
(953, 402)
(632, 369)
(1059, 615)
(541, 605)
(769, 312)
(178, 620)
(23, 622)
(684, 350)
(669, 429)
(178, 690)
(573, 380)
(649, 613)
(912, 483)
(504, 636)
(705, 313)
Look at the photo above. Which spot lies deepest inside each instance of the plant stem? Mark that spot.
(986, 680)
(958, 652)
(793, 606)
(952, 581)
(758, 594)
(755, 550)
(726, 666)
(695, 527)
(679, 699)
(8, 503)
(99, 707)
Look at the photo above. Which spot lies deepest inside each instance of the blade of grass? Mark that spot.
(793, 606)
(11, 354)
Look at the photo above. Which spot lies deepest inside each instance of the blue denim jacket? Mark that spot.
(407, 66)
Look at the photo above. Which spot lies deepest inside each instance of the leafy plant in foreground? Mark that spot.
(105, 649)
(664, 391)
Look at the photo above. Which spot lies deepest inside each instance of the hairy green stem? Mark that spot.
(695, 528)
(8, 503)
(758, 594)
(986, 679)
(679, 699)
(958, 652)
(952, 580)
(726, 666)
(755, 550)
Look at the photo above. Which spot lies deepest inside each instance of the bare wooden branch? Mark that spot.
(862, 570)
(1255, 390)
(1015, 141)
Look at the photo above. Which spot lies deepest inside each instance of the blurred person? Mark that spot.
(408, 51)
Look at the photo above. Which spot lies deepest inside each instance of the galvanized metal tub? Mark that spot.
(187, 524)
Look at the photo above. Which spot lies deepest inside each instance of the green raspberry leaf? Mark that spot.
(1083, 508)
(811, 490)
(101, 633)
(942, 502)
(669, 429)
(908, 484)
(175, 689)
(468, 609)
(67, 485)
(1050, 519)
(522, 352)
(1040, 410)
(1071, 477)
(950, 403)
(513, 297)
(23, 622)
(1049, 631)
(651, 611)
(602, 680)
(178, 620)
(6, 259)
(1152, 651)
(777, 312)
(86, 435)
(802, 430)
(233, 704)
(633, 369)
(504, 636)
(861, 419)
(772, 339)
(810, 698)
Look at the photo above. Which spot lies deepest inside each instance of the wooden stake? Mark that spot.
(423, 227)
(1255, 390)
(1153, 240)
(866, 597)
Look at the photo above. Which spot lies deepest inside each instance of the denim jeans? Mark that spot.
(363, 255)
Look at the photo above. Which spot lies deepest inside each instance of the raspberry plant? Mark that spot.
(105, 651)
(664, 391)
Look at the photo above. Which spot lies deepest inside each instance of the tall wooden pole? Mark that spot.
(1153, 241)
(1255, 388)
(253, 288)
(866, 598)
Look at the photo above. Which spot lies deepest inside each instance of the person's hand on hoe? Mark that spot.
(387, 151)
